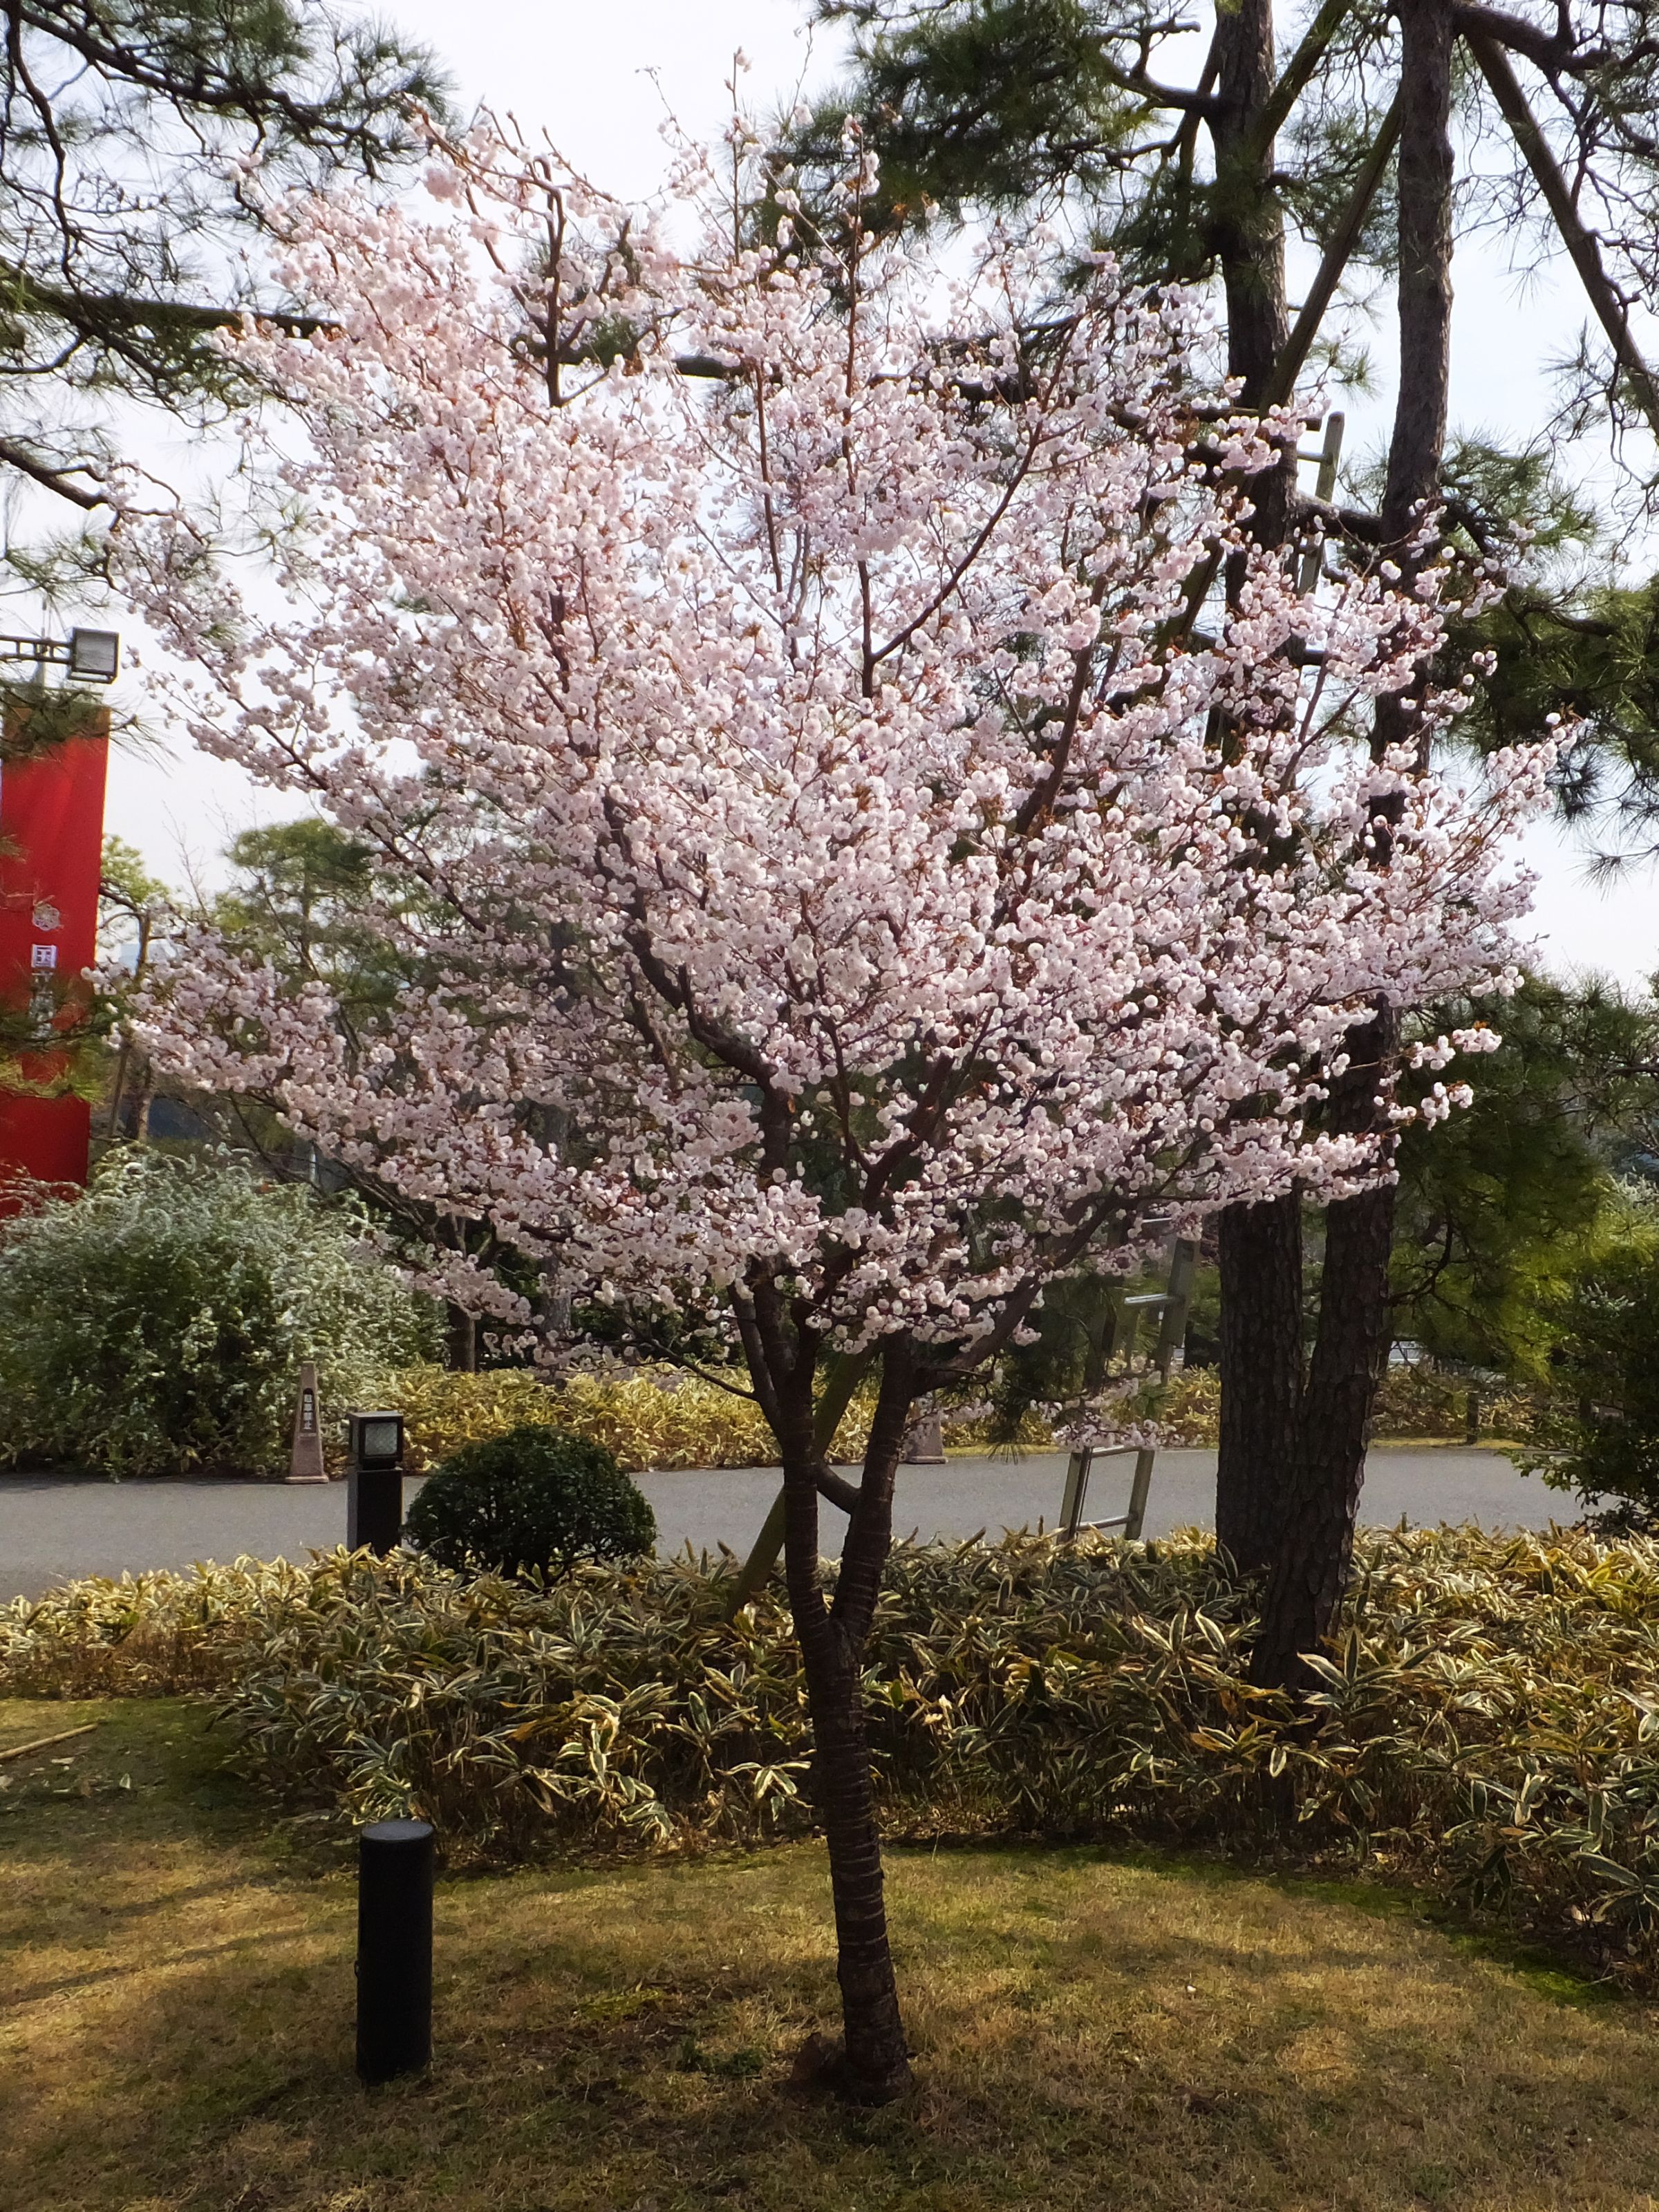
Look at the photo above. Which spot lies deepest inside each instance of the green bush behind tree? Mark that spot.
(156, 1324)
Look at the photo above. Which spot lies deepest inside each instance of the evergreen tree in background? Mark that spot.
(129, 131)
(1340, 126)
(1493, 1215)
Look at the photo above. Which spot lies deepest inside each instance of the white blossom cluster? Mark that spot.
(842, 859)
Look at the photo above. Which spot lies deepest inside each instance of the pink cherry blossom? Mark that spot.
(856, 868)
(828, 864)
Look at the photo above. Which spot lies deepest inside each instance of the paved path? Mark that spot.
(51, 1529)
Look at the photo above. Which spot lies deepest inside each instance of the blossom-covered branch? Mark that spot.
(843, 884)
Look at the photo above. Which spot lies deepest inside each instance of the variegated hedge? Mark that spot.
(660, 1418)
(1489, 1726)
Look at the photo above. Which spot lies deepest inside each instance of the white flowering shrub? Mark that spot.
(156, 1323)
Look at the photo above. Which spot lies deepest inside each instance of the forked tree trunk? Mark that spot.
(1259, 1250)
(873, 2065)
(1308, 1575)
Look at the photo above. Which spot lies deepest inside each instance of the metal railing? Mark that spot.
(1171, 1303)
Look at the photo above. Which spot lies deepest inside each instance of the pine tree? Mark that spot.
(1200, 177)
(129, 132)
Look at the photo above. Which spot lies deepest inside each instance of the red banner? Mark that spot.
(52, 838)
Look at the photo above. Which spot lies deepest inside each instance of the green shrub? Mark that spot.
(147, 1635)
(533, 1501)
(1598, 1433)
(1486, 1728)
(156, 1323)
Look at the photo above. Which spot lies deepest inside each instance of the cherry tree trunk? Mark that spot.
(873, 2066)
(461, 1342)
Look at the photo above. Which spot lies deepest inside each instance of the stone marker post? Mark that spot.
(924, 1441)
(306, 1464)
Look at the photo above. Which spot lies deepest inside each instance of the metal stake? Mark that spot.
(1328, 455)
(395, 1862)
(1076, 1493)
(1140, 1490)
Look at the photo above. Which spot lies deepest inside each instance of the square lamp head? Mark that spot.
(377, 1441)
(95, 655)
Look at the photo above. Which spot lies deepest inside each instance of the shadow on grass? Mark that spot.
(1091, 2031)
(1548, 1970)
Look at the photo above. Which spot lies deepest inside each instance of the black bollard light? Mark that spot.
(394, 1948)
(375, 1482)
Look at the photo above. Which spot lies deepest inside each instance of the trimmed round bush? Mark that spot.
(533, 1501)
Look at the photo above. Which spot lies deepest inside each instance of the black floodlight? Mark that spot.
(377, 1441)
(95, 655)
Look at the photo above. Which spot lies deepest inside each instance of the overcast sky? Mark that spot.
(599, 75)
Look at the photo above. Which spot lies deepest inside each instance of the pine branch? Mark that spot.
(1337, 255)
(1580, 242)
(52, 479)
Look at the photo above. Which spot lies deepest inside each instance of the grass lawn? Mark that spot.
(1091, 2031)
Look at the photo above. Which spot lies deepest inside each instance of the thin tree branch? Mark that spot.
(55, 480)
(1339, 251)
(1580, 242)
(1548, 49)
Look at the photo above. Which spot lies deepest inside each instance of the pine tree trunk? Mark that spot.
(1260, 1346)
(1247, 224)
(1259, 1250)
(1425, 258)
(1315, 1550)
(1311, 1570)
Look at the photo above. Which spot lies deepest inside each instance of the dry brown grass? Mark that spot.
(1091, 2031)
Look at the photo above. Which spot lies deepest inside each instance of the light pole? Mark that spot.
(375, 1482)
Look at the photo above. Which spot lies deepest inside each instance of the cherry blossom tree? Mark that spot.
(836, 897)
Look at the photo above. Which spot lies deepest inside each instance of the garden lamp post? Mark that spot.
(375, 1482)
(394, 1947)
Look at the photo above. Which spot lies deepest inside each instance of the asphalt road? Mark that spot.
(52, 1528)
